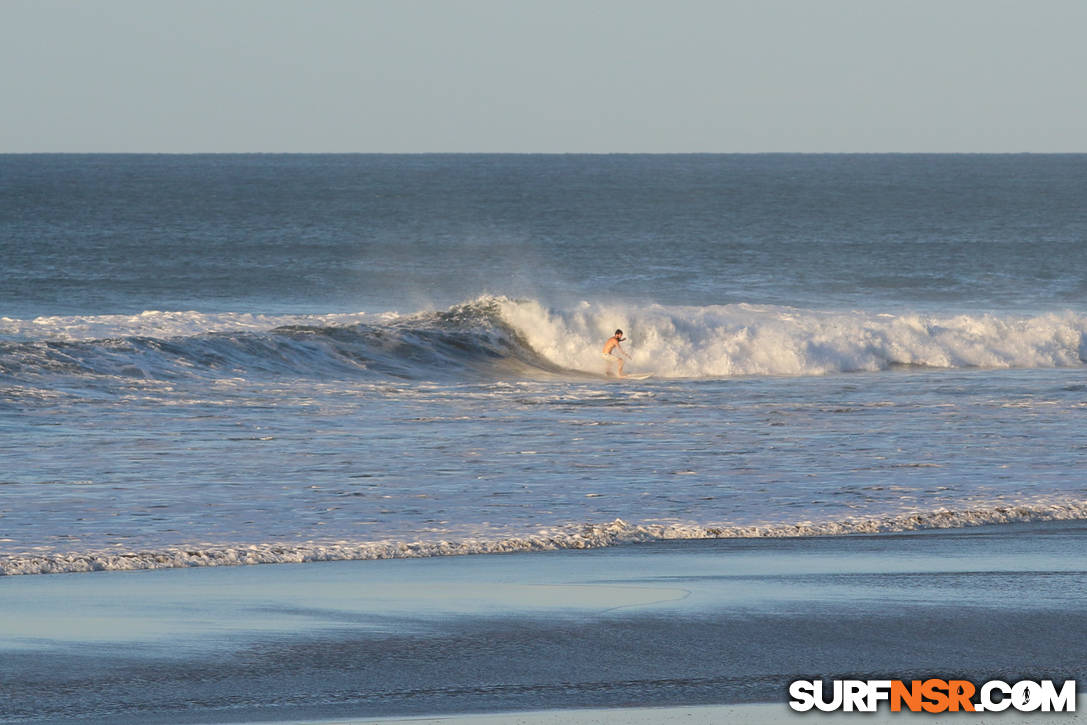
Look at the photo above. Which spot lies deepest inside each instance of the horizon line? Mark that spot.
(542, 153)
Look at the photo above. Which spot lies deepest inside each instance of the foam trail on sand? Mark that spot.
(586, 536)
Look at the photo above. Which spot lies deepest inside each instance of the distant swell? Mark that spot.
(588, 536)
(501, 337)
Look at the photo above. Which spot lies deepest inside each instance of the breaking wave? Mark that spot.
(729, 340)
(497, 336)
(588, 536)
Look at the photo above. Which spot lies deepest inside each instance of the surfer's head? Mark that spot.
(618, 335)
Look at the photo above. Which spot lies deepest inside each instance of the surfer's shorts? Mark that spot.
(609, 357)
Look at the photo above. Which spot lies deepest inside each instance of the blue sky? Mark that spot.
(543, 76)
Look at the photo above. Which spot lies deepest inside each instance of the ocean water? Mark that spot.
(211, 360)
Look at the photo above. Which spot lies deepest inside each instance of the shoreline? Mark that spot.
(752, 714)
(574, 537)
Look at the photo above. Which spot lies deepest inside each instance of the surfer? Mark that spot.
(612, 352)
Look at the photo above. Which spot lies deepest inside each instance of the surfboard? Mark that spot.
(637, 376)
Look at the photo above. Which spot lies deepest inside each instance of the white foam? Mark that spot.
(728, 340)
(587, 536)
(162, 324)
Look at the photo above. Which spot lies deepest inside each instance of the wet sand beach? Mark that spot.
(576, 634)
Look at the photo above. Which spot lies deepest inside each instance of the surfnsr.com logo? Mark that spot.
(932, 695)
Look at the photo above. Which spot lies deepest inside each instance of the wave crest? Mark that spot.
(464, 339)
(501, 337)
